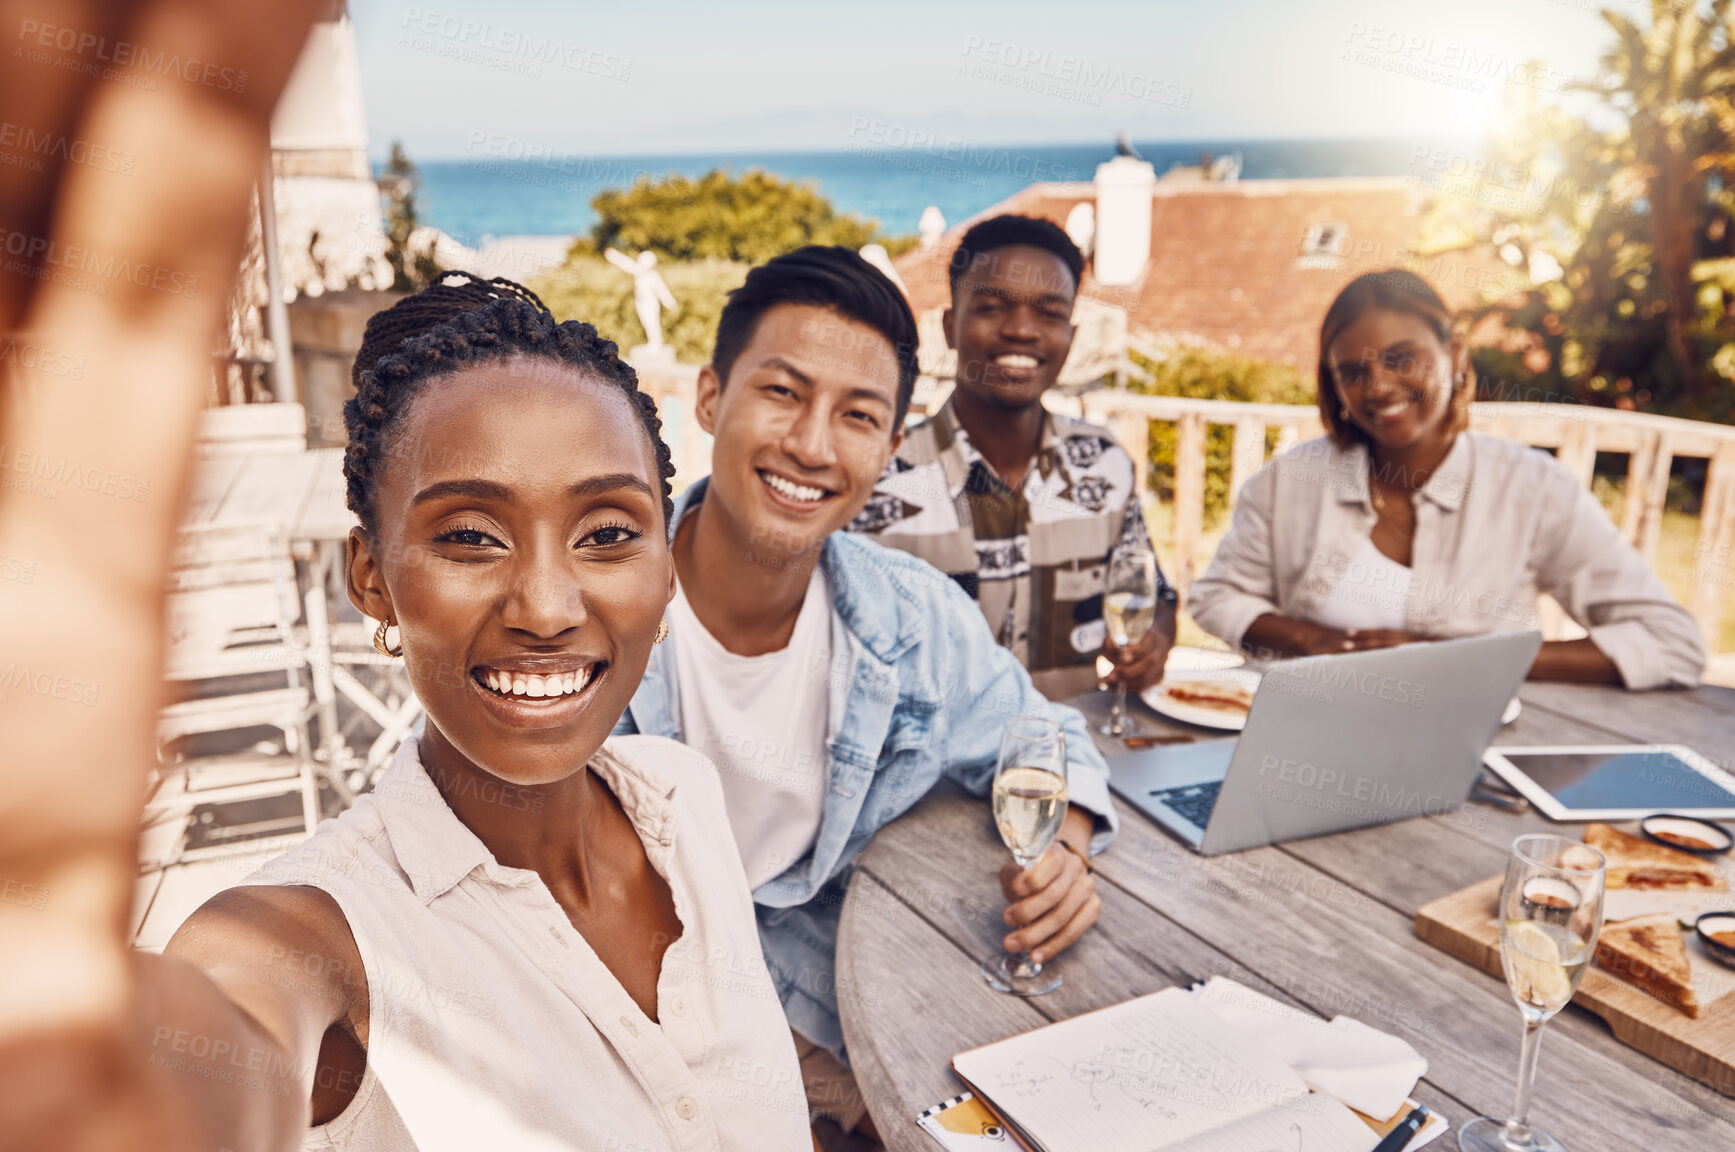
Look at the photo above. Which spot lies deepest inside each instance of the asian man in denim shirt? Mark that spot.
(834, 681)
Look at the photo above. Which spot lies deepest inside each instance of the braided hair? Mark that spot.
(446, 327)
(433, 305)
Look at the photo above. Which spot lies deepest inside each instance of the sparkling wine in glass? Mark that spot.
(1029, 807)
(1550, 915)
(1129, 608)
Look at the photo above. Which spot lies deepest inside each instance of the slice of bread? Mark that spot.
(1638, 863)
(1650, 952)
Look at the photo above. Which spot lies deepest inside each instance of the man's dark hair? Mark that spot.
(447, 327)
(834, 278)
(1006, 231)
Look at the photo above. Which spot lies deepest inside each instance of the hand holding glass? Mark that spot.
(1550, 915)
(1029, 807)
(1129, 608)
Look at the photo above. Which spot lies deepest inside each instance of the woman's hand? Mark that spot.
(1361, 639)
(1054, 900)
(1273, 637)
(119, 271)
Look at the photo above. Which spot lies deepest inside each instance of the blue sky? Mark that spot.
(671, 76)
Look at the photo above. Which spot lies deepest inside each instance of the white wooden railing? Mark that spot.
(1575, 432)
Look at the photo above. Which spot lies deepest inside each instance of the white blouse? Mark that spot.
(1497, 523)
(493, 1024)
(1369, 595)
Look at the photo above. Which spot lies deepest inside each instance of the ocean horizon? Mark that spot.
(498, 191)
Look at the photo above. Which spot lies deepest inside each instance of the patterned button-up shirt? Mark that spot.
(1034, 559)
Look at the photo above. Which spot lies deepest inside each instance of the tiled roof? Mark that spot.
(1225, 265)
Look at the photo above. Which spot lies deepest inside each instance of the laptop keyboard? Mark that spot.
(1193, 801)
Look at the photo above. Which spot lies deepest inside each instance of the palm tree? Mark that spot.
(1674, 84)
(413, 268)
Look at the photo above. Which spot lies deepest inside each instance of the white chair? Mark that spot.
(231, 640)
(395, 714)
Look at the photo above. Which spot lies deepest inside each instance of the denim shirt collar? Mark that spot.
(859, 600)
(875, 622)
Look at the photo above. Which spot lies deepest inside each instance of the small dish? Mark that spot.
(1714, 924)
(1687, 834)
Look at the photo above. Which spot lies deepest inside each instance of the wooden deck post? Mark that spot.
(1647, 485)
(1638, 467)
(1656, 492)
(1578, 449)
(1714, 554)
(1134, 431)
(1247, 455)
(1189, 495)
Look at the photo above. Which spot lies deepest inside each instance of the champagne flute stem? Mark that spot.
(1518, 1128)
(1026, 968)
(1120, 708)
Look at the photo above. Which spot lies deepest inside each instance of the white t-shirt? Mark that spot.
(1372, 594)
(765, 721)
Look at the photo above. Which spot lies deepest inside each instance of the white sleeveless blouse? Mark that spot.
(492, 1023)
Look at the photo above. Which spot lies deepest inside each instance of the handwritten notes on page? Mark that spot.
(1159, 1072)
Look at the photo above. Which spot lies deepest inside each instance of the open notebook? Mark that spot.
(1156, 1073)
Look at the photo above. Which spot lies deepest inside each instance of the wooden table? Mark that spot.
(1324, 924)
(302, 491)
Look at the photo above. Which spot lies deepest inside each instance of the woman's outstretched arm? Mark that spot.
(119, 273)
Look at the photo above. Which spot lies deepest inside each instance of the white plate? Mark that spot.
(1194, 664)
(1162, 704)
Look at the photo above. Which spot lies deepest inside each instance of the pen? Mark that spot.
(1398, 1138)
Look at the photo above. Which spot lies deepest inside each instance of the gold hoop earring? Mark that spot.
(662, 631)
(380, 640)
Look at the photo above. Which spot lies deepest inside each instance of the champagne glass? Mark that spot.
(1029, 806)
(1550, 915)
(1129, 608)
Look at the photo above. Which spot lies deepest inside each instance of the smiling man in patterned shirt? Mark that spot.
(1022, 507)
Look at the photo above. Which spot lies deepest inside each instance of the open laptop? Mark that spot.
(1334, 743)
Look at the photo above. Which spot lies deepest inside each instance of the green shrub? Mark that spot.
(748, 218)
(1211, 374)
(595, 291)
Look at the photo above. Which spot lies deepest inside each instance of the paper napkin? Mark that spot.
(1371, 1071)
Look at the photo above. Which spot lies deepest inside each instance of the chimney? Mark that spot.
(1123, 219)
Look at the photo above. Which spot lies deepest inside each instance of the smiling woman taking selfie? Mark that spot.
(1402, 525)
(513, 940)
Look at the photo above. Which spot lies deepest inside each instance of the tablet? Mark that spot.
(1616, 781)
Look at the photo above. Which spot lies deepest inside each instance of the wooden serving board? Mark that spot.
(1463, 925)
